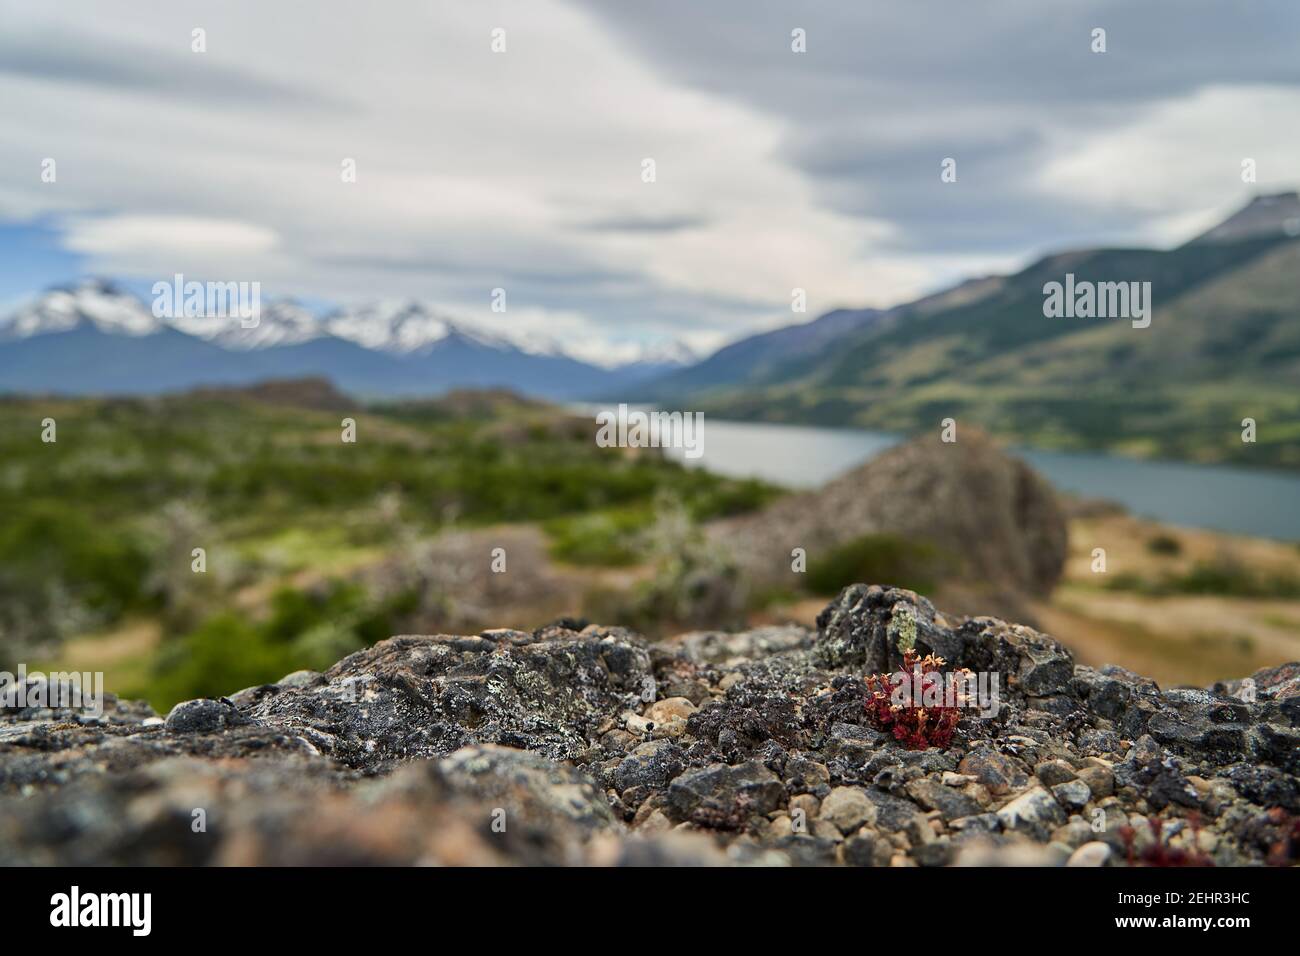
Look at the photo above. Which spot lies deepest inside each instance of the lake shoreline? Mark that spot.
(1228, 498)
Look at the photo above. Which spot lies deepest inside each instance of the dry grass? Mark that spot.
(1177, 639)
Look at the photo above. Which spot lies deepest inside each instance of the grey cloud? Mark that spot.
(612, 299)
(644, 224)
(886, 90)
(70, 57)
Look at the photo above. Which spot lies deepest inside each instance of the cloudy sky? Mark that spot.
(523, 169)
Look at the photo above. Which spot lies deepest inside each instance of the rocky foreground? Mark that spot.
(588, 745)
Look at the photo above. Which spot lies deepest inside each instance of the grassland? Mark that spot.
(312, 546)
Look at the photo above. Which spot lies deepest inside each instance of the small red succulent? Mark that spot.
(914, 723)
(1158, 852)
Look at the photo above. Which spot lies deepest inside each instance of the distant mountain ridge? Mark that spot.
(1224, 346)
(1263, 217)
(95, 337)
(749, 358)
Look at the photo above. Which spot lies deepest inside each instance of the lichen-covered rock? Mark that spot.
(591, 746)
(862, 628)
(411, 697)
(652, 765)
(203, 716)
(726, 798)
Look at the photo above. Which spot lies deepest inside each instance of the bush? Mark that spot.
(225, 653)
(101, 568)
(694, 583)
(1165, 544)
(1227, 578)
(306, 630)
(610, 538)
(877, 559)
(1222, 577)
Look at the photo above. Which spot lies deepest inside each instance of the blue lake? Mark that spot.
(1246, 501)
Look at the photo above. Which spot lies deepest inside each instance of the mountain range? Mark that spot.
(1223, 346)
(94, 337)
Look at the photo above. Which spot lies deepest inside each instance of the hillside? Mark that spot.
(1223, 345)
(754, 358)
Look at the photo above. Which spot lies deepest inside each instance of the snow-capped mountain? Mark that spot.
(403, 328)
(108, 308)
(96, 337)
(280, 322)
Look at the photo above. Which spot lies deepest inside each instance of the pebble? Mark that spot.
(672, 707)
(848, 808)
(1052, 772)
(999, 773)
(1073, 794)
(1095, 853)
(1033, 812)
(806, 804)
(201, 716)
(1099, 779)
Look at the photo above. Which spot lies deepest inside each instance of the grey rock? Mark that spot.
(455, 728)
(867, 849)
(1156, 775)
(1034, 813)
(931, 794)
(1090, 854)
(998, 772)
(725, 797)
(651, 765)
(1073, 794)
(847, 808)
(203, 716)
(1100, 781)
(1052, 772)
(1099, 743)
(977, 823)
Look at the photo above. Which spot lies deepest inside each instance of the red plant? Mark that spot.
(1159, 853)
(1285, 850)
(914, 704)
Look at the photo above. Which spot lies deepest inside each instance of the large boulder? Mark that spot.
(994, 520)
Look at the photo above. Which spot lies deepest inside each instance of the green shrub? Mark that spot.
(224, 654)
(1221, 577)
(306, 630)
(1127, 581)
(724, 499)
(1228, 578)
(609, 538)
(1165, 544)
(877, 559)
(103, 568)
